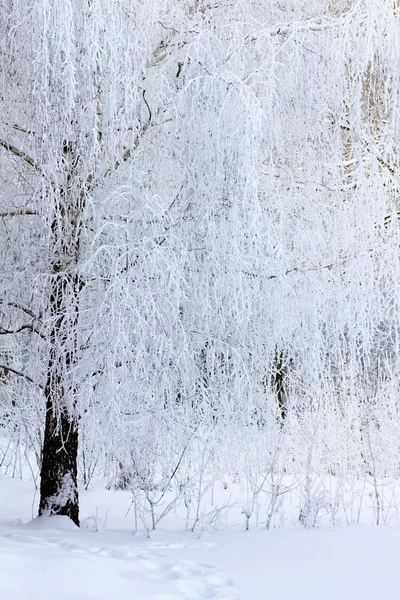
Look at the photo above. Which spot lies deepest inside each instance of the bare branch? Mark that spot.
(128, 153)
(28, 326)
(7, 368)
(19, 153)
(141, 133)
(316, 26)
(24, 309)
(19, 128)
(4, 331)
(20, 211)
(28, 131)
(386, 165)
(311, 25)
(304, 270)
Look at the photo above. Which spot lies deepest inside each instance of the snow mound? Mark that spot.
(53, 523)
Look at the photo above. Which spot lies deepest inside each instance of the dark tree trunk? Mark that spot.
(278, 378)
(58, 485)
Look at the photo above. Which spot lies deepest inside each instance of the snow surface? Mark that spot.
(51, 559)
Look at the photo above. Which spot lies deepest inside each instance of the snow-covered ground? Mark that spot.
(51, 559)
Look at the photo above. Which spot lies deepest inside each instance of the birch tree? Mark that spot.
(74, 112)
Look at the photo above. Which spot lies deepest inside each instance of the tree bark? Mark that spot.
(58, 485)
(58, 488)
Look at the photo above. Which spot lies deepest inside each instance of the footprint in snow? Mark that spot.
(195, 581)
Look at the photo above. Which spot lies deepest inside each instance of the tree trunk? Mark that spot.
(58, 485)
(279, 384)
